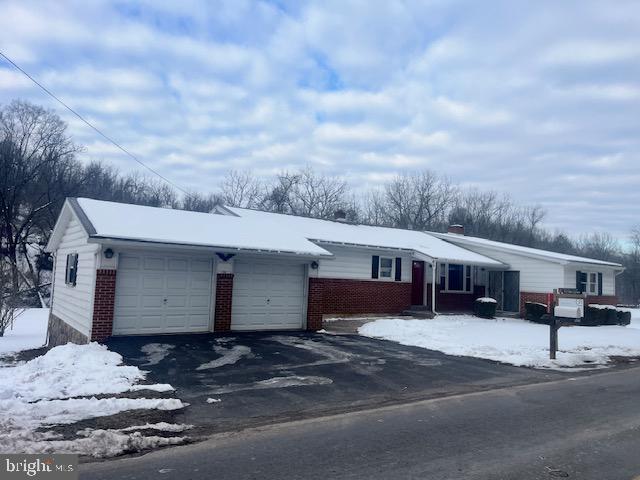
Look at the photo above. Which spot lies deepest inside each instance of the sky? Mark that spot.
(538, 100)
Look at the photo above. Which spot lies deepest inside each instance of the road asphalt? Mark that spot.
(587, 427)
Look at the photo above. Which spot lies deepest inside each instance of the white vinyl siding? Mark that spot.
(535, 275)
(74, 303)
(355, 263)
(608, 278)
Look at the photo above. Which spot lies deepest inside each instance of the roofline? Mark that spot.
(84, 220)
(548, 258)
(111, 239)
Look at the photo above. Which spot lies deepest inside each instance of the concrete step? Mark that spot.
(418, 313)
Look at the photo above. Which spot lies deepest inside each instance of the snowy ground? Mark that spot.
(71, 383)
(512, 341)
(29, 330)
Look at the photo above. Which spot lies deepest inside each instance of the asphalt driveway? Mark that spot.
(237, 381)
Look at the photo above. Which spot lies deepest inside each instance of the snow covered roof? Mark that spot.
(122, 221)
(467, 241)
(333, 232)
(252, 230)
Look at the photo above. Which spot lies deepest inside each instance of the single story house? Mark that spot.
(123, 269)
(534, 274)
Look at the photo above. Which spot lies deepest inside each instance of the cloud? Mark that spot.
(536, 101)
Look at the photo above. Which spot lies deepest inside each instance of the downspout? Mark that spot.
(433, 286)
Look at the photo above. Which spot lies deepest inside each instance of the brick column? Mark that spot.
(224, 294)
(104, 300)
(314, 305)
(531, 297)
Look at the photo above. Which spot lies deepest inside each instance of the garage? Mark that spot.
(162, 294)
(268, 295)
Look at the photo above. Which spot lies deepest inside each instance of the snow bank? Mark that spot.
(512, 341)
(29, 330)
(635, 317)
(60, 387)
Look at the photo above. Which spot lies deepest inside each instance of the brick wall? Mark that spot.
(454, 302)
(103, 303)
(224, 293)
(342, 296)
(602, 299)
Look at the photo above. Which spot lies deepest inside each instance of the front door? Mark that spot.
(511, 291)
(417, 283)
(494, 289)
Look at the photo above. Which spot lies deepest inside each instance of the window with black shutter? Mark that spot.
(71, 272)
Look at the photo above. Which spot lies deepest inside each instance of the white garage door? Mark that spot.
(162, 294)
(267, 295)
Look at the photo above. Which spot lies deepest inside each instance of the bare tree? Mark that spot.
(599, 245)
(241, 189)
(317, 195)
(278, 195)
(33, 143)
(198, 202)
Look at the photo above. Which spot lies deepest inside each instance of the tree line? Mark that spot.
(39, 168)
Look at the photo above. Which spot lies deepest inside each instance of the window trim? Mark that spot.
(467, 274)
(593, 284)
(392, 271)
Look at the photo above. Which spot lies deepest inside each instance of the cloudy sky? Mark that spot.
(540, 100)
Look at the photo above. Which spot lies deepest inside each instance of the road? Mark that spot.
(583, 428)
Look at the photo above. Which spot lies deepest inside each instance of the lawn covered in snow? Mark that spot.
(72, 383)
(513, 341)
(29, 330)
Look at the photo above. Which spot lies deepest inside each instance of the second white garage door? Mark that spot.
(162, 294)
(267, 296)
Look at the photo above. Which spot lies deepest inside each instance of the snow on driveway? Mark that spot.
(513, 341)
(60, 388)
(29, 330)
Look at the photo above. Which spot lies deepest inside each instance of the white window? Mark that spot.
(592, 283)
(455, 277)
(386, 267)
(71, 272)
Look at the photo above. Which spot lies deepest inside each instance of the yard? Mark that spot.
(70, 384)
(513, 341)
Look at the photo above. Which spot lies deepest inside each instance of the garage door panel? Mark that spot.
(144, 282)
(267, 295)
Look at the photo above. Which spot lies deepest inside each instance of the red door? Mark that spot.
(417, 283)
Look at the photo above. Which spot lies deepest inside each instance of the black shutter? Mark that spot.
(599, 283)
(579, 281)
(375, 266)
(398, 269)
(75, 268)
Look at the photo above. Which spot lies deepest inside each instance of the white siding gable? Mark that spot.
(355, 263)
(74, 304)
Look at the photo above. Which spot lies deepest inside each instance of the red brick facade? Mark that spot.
(224, 293)
(104, 300)
(342, 296)
(454, 302)
(602, 299)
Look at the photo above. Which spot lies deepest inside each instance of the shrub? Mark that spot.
(534, 311)
(595, 315)
(485, 307)
(624, 318)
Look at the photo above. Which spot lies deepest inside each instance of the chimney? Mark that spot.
(340, 216)
(457, 229)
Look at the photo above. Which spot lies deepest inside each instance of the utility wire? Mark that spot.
(98, 131)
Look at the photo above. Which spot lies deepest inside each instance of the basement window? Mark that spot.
(71, 272)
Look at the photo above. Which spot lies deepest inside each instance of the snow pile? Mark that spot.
(29, 330)
(228, 356)
(635, 317)
(602, 307)
(486, 300)
(60, 388)
(512, 341)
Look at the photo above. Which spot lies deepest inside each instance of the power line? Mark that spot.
(96, 129)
